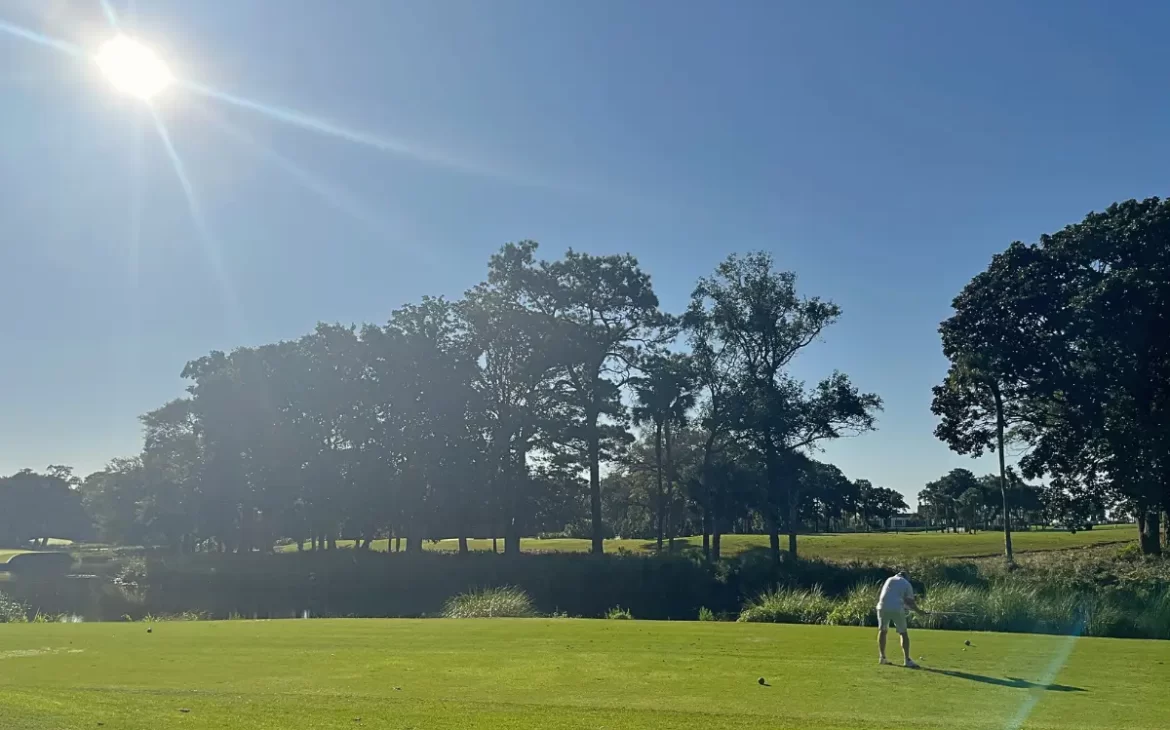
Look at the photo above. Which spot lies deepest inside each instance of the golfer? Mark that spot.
(896, 598)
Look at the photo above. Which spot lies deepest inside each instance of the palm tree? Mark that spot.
(664, 397)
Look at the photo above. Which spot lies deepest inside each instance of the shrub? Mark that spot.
(858, 608)
(617, 613)
(962, 607)
(12, 611)
(505, 602)
(47, 618)
(1154, 619)
(789, 606)
(706, 614)
(1130, 552)
(132, 572)
(1100, 616)
(153, 618)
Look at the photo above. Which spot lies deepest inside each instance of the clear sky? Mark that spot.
(882, 150)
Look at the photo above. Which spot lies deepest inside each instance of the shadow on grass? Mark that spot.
(1014, 682)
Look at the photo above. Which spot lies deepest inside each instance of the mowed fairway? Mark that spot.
(845, 546)
(316, 674)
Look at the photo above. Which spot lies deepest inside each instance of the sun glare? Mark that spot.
(133, 68)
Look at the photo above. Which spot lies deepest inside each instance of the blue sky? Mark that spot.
(883, 151)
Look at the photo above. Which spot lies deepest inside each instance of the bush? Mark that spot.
(170, 617)
(617, 613)
(1130, 552)
(858, 608)
(132, 572)
(706, 614)
(1091, 591)
(1154, 619)
(506, 602)
(789, 606)
(359, 583)
(12, 611)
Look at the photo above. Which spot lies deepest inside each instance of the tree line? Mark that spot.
(959, 499)
(555, 393)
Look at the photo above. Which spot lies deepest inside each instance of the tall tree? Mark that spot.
(664, 396)
(517, 359)
(976, 405)
(752, 310)
(1076, 326)
(601, 311)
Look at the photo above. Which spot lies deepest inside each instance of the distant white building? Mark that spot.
(903, 521)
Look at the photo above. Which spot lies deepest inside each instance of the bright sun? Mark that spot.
(133, 68)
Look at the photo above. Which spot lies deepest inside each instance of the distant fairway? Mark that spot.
(845, 546)
(575, 674)
(6, 554)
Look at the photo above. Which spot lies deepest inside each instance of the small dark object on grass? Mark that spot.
(967, 642)
(150, 631)
(763, 682)
(184, 710)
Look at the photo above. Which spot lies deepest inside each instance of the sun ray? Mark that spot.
(1055, 665)
(137, 190)
(210, 249)
(382, 144)
(332, 195)
(111, 16)
(41, 39)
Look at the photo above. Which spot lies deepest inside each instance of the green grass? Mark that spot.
(500, 673)
(6, 554)
(845, 546)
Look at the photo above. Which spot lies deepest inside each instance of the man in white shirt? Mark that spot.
(897, 596)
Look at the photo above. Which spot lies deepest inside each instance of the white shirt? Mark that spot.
(895, 591)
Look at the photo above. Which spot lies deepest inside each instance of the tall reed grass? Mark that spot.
(505, 602)
(999, 607)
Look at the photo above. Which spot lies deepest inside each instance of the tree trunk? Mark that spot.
(598, 528)
(793, 522)
(511, 539)
(716, 540)
(1007, 514)
(773, 535)
(518, 475)
(413, 544)
(1148, 531)
(301, 545)
(669, 488)
(495, 549)
(462, 545)
(659, 498)
(706, 533)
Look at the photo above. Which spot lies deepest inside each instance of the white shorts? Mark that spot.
(887, 616)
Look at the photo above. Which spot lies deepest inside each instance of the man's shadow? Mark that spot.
(1013, 682)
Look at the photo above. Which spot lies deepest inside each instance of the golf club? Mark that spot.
(948, 613)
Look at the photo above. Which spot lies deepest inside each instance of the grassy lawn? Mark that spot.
(565, 674)
(876, 545)
(6, 554)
